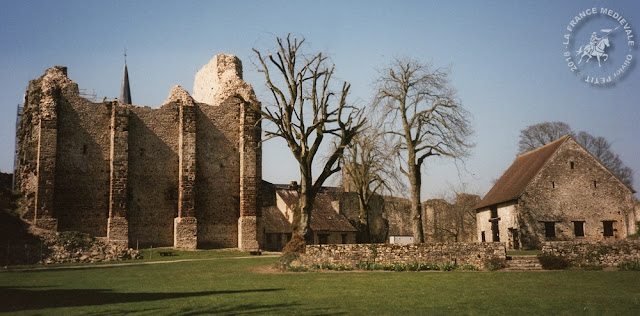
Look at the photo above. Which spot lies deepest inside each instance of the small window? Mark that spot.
(578, 228)
(553, 184)
(595, 184)
(571, 165)
(608, 228)
(323, 239)
(494, 211)
(483, 237)
(550, 229)
(344, 238)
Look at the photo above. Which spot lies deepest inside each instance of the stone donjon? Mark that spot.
(185, 174)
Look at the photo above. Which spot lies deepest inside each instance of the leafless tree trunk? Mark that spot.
(305, 109)
(422, 110)
(369, 171)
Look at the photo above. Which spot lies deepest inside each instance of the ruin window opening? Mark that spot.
(595, 184)
(483, 237)
(578, 228)
(553, 184)
(84, 149)
(571, 164)
(344, 238)
(550, 229)
(608, 228)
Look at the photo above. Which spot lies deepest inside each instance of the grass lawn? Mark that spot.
(231, 286)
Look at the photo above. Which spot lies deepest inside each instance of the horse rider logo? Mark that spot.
(596, 47)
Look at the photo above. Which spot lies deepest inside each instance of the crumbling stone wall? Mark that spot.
(185, 174)
(430, 253)
(601, 253)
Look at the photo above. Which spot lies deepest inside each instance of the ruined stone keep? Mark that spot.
(185, 174)
(558, 192)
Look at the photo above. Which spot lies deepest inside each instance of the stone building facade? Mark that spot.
(557, 192)
(185, 174)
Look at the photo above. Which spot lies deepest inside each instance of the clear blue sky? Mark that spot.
(506, 60)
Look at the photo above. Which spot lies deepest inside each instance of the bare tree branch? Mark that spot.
(426, 119)
(304, 110)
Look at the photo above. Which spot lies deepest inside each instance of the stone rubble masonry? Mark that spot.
(218, 80)
(600, 253)
(47, 146)
(185, 174)
(429, 253)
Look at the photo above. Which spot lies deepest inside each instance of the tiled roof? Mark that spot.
(513, 182)
(274, 221)
(323, 216)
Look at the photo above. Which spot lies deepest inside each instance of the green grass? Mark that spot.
(230, 286)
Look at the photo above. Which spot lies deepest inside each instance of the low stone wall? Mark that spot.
(429, 253)
(602, 253)
(97, 252)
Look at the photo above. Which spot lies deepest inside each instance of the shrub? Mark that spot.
(629, 266)
(495, 263)
(284, 262)
(553, 262)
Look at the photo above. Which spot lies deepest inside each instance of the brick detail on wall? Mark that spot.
(185, 226)
(187, 161)
(117, 227)
(46, 161)
(250, 177)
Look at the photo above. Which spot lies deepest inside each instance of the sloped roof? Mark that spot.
(274, 221)
(513, 182)
(323, 216)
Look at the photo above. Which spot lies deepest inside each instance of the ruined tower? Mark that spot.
(185, 174)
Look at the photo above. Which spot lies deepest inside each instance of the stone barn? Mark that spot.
(185, 174)
(556, 192)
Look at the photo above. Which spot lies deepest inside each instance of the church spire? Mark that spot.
(125, 91)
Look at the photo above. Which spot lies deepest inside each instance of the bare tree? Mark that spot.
(305, 109)
(541, 134)
(537, 135)
(423, 113)
(599, 147)
(454, 216)
(369, 171)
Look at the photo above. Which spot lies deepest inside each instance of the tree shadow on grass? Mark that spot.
(258, 309)
(21, 298)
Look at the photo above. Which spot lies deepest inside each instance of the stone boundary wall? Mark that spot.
(97, 251)
(605, 253)
(429, 253)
